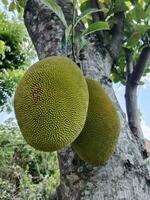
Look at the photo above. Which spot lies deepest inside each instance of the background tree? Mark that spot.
(24, 172)
(16, 53)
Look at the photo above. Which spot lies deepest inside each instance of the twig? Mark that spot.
(73, 33)
(140, 66)
(117, 35)
(98, 16)
(129, 61)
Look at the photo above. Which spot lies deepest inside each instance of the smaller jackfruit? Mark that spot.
(51, 103)
(98, 139)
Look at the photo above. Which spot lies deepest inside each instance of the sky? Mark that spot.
(143, 104)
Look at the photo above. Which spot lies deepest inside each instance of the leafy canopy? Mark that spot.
(24, 172)
(136, 31)
(16, 53)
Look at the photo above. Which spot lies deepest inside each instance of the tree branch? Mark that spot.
(131, 96)
(98, 16)
(146, 7)
(129, 61)
(140, 66)
(117, 35)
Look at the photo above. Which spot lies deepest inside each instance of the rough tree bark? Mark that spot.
(124, 176)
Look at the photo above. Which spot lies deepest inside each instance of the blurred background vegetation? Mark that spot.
(16, 54)
(25, 174)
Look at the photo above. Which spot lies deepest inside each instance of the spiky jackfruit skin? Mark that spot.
(97, 141)
(51, 103)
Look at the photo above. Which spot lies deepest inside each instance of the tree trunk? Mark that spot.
(124, 176)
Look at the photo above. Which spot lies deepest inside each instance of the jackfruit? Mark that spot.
(97, 140)
(51, 103)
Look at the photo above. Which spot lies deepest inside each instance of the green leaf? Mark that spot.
(120, 6)
(12, 6)
(115, 77)
(2, 47)
(88, 12)
(142, 28)
(134, 38)
(19, 9)
(67, 32)
(56, 9)
(5, 2)
(147, 70)
(139, 30)
(123, 82)
(84, 43)
(97, 26)
(22, 3)
(147, 12)
(85, 5)
(141, 82)
(137, 13)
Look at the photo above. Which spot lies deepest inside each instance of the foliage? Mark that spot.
(8, 82)
(136, 33)
(136, 30)
(70, 32)
(56, 9)
(136, 36)
(16, 52)
(97, 26)
(3, 48)
(14, 5)
(24, 172)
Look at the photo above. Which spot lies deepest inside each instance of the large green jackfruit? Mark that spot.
(98, 139)
(51, 103)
